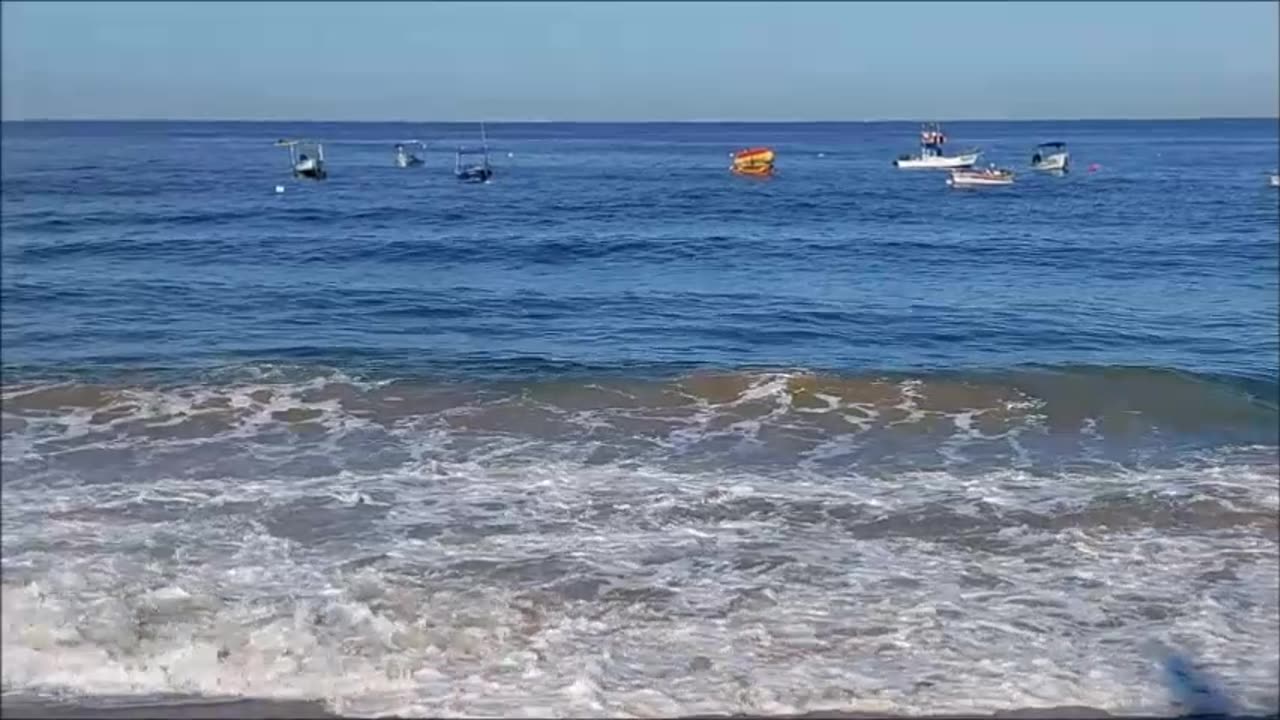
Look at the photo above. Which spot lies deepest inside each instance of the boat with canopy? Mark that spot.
(1051, 156)
(306, 158)
(474, 171)
(405, 155)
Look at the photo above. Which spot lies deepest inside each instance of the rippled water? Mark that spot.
(621, 433)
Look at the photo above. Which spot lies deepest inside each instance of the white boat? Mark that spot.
(474, 171)
(930, 156)
(979, 178)
(1051, 156)
(406, 157)
(1275, 179)
(306, 157)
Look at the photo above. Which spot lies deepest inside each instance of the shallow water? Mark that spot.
(621, 433)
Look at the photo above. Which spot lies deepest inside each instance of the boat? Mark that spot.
(475, 171)
(306, 158)
(406, 157)
(1051, 156)
(930, 157)
(753, 161)
(1275, 179)
(968, 177)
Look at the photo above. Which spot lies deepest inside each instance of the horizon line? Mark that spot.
(645, 122)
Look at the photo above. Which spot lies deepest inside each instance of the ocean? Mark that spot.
(620, 433)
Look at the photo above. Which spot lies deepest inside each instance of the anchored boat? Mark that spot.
(930, 157)
(474, 171)
(979, 178)
(753, 161)
(406, 157)
(1051, 156)
(1275, 179)
(306, 157)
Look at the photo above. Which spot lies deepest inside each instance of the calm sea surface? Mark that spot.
(619, 432)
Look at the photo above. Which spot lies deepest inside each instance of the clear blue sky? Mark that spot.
(640, 61)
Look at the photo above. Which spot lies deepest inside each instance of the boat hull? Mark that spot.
(310, 169)
(1275, 181)
(978, 180)
(475, 175)
(937, 162)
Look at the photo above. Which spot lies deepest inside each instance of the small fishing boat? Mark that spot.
(931, 158)
(474, 171)
(977, 178)
(306, 157)
(1051, 156)
(753, 161)
(408, 158)
(1275, 179)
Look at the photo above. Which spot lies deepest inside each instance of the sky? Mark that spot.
(658, 61)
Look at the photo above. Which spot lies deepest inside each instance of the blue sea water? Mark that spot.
(624, 246)
(840, 438)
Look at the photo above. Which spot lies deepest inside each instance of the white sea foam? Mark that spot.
(484, 557)
(781, 612)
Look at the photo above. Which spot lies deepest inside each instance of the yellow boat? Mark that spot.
(753, 161)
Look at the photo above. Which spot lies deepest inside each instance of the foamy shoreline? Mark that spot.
(196, 707)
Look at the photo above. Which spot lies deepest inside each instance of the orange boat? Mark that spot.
(753, 161)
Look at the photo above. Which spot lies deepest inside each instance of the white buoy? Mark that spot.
(279, 189)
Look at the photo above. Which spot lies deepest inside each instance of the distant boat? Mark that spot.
(306, 157)
(753, 161)
(930, 156)
(406, 157)
(978, 178)
(1051, 156)
(474, 172)
(1275, 179)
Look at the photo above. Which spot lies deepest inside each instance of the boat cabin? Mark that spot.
(931, 140)
(1051, 156)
